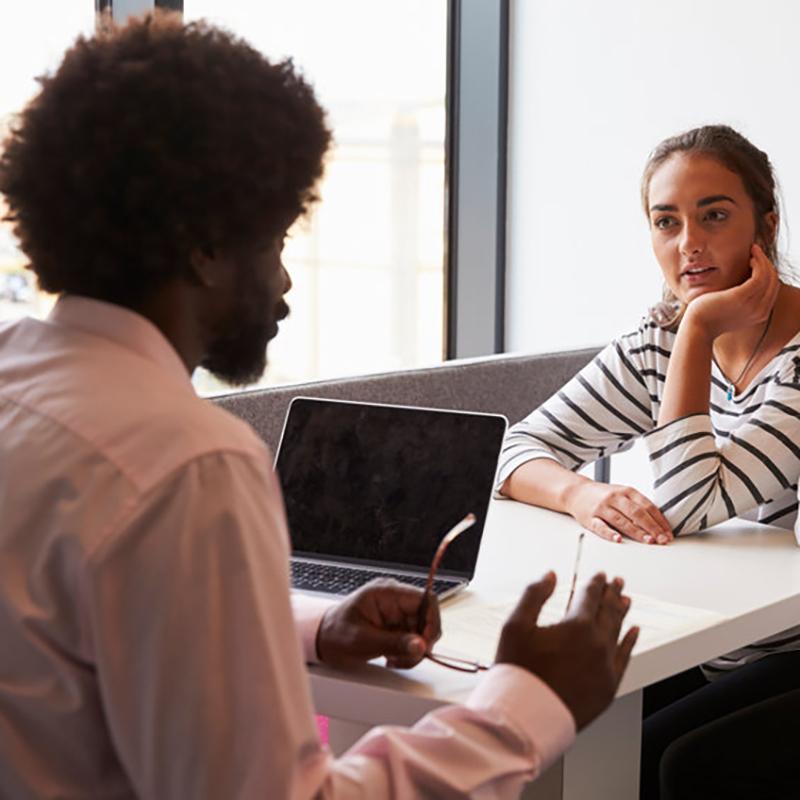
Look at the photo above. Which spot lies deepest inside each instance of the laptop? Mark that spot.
(371, 489)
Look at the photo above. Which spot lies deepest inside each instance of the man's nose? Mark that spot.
(287, 280)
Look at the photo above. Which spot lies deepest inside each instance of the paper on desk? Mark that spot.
(471, 627)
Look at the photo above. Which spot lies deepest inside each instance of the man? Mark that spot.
(150, 648)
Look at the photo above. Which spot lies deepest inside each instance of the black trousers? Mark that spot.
(729, 738)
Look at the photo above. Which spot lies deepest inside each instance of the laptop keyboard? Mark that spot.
(337, 579)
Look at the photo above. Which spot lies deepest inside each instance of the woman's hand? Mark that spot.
(611, 510)
(741, 306)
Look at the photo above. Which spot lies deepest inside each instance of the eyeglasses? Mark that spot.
(451, 662)
(462, 664)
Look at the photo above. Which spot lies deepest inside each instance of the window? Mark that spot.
(30, 46)
(368, 267)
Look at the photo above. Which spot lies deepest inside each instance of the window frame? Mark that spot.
(476, 147)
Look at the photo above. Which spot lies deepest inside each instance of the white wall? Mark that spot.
(595, 84)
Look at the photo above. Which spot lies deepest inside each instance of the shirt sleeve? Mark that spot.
(704, 475)
(601, 411)
(201, 672)
(308, 612)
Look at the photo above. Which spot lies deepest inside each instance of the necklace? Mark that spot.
(732, 383)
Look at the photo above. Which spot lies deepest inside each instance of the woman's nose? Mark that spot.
(691, 241)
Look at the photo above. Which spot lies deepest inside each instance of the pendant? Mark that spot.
(730, 391)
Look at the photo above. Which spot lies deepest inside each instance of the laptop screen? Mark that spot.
(382, 484)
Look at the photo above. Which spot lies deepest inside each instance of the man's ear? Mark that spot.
(203, 267)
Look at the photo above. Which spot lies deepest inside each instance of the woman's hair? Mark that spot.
(740, 156)
(151, 142)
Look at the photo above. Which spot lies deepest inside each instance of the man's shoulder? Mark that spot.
(165, 430)
(124, 410)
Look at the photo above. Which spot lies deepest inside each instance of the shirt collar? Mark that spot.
(122, 326)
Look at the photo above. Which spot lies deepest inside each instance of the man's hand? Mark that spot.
(579, 658)
(611, 510)
(380, 619)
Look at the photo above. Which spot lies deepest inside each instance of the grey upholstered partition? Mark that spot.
(511, 385)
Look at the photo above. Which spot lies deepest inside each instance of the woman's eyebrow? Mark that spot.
(714, 198)
(705, 201)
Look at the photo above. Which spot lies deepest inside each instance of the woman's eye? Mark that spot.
(662, 223)
(716, 215)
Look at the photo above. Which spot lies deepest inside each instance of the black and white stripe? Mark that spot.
(743, 458)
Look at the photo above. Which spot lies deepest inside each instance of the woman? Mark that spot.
(711, 382)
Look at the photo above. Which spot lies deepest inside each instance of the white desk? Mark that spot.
(746, 572)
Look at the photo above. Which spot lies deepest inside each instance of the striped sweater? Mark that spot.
(741, 459)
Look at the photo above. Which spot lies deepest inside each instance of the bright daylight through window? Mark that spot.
(368, 266)
(30, 46)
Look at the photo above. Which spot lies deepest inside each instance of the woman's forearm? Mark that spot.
(605, 509)
(688, 385)
(543, 482)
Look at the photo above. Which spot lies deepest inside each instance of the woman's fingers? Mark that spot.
(653, 510)
(612, 511)
(624, 524)
(649, 516)
(611, 524)
(763, 284)
(633, 515)
(604, 530)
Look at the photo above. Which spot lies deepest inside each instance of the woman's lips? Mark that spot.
(695, 275)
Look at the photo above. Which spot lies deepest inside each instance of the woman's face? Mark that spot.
(702, 225)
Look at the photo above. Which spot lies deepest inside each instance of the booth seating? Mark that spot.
(512, 385)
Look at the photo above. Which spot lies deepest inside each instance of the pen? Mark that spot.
(575, 570)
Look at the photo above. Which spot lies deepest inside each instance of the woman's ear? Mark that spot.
(769, 230)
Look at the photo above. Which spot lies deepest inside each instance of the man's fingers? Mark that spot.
(612, 609)
(394, 596)
(623, 654)
(396, 606)
(590, 595)
(409, 648)
(433, 622)
(533, 598)
(402, 662)
(406, 597)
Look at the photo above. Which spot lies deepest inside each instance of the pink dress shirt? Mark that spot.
(149, 645)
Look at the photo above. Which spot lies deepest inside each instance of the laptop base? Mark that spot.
(340, 579)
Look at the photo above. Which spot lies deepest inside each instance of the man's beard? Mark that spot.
(238, 353)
